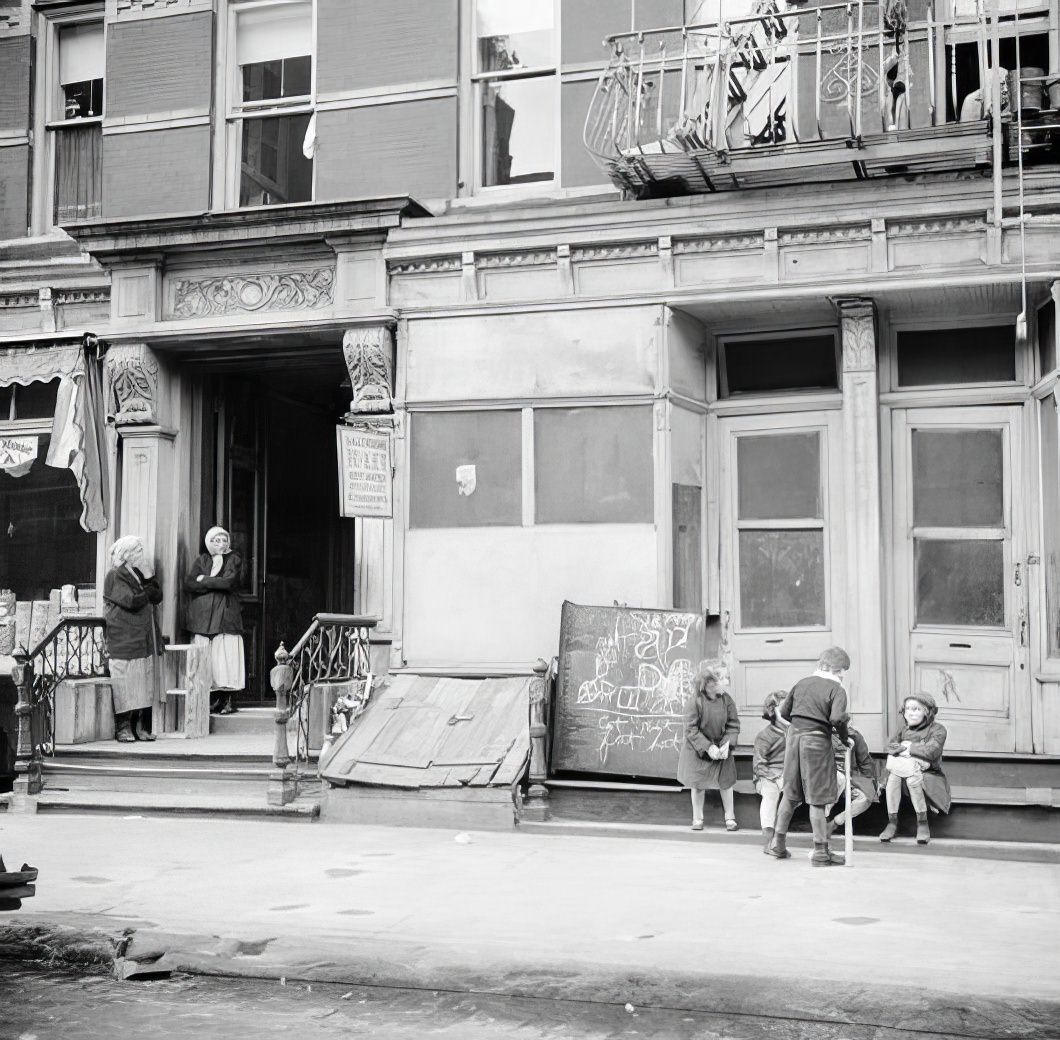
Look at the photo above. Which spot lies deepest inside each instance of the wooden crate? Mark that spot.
(186, 668)
(83, 711)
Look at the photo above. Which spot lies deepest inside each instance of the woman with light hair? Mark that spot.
(134, 640)
(706, 761)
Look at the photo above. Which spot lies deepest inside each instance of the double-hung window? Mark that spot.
(516, 88)
(271, 127)
(75, 121)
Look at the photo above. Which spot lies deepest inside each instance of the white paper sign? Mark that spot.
(17, 453)
(366, 486)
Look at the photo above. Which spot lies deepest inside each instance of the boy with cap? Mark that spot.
(815, 706)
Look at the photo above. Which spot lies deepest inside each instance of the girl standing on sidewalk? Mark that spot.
(767, 765)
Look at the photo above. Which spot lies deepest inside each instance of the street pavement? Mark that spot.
(959, 946)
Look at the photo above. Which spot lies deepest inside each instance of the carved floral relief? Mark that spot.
(236, 294)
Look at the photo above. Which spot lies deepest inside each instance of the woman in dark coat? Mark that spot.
(706, 762)
(214, 616)
(134, 640)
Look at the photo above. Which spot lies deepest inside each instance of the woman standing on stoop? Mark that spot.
(215, 618)
(134, 640)
(712, 725)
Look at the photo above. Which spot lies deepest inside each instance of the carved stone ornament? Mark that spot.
(132, 373)
(857, 320)
(369, 354)
(241, 294)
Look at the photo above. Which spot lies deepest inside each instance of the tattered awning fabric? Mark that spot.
(77, 441)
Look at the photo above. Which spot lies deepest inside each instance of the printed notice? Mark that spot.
(365, 484)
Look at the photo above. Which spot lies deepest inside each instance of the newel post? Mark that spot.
(283, 781)
(30, 764)
(536, 806)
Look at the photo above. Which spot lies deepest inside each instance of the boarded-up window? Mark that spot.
(934, 357)
(594, 465)
(792, 362)
(466, 469)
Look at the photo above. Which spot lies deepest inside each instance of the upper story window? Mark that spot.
(272, 130)
(75, 120)
(516, 91)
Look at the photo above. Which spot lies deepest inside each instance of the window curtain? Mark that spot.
(78, 173)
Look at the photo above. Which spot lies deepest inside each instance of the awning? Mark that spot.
(430, 731)
(77, 427)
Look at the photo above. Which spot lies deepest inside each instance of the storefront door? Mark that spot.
(961, 625)
(782, 545)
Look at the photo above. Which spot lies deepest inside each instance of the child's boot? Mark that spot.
(767, 837)
(891, 829)
(778, 848)
(838, 858)
(923, 831)
(820, 857)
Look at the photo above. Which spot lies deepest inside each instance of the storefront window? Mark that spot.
(937, 357)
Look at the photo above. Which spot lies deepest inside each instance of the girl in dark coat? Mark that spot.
(712, 725)
(214, 616)
(914, 759)
(767, 764)
(134, 640)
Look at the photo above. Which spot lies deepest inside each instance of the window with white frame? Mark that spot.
(271, 125)
(516, 88)
(75, 120)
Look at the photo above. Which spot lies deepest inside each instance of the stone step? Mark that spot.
(305, 808)
(249, 720)
(155, 779)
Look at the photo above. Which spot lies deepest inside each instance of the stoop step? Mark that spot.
(252, 805)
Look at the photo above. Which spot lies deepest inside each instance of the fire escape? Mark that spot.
(791, 93)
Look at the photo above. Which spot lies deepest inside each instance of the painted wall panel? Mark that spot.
(494, 594)
(363, 43)
(14, 83)
(160, 64)
(404, 148)
(14, 186)
(577, 165)
(568, 353)
(688, 371)
(135, 165)
(686, 447)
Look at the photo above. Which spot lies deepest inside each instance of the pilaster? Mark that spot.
(863, 610)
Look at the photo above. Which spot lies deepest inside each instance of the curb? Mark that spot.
(137, 952)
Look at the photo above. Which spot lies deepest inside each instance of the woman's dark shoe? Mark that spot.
(923, 831)
(228, 708)
(141, 732)
(125, 734)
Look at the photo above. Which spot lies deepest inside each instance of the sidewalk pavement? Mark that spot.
(960, 946)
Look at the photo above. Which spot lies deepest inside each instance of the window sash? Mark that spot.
(81, 53)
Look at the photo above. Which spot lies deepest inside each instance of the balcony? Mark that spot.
(792, 93)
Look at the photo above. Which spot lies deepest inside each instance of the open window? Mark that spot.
(75, 120)
(516, 85)
(271, 125)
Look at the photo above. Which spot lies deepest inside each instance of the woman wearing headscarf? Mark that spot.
(214, 616)
(134, 640)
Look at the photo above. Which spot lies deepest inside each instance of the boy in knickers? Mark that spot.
(815, 706)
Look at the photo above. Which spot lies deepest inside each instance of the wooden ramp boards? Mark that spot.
(436, 732)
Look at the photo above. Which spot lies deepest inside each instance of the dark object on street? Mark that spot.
(16, 885)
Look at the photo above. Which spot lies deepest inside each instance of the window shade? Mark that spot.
(81, 54)
(505, 17)
(272, 33)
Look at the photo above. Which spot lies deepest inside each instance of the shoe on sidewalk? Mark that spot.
(697, 825)
(779, 847)
(923, 831)
(891, 829)
(767, 838)
(821, 856)
(731, 825)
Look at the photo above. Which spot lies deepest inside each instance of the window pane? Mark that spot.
(514, 34)
(960, 582)
(33, 401)
(518, 131)
(972, 355)
(82, 100)
(466, 469)
(78, 172)
(958, 478)
(1047, 337)
(798, 363)
(43, 545)
(281, 78)
(781, 579)
(779, 476)
(1051, 520)
(594, 465)
(274, 170)
(688, 547)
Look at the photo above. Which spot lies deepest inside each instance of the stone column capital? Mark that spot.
(369, 354)
(132, 384)
(857, 322)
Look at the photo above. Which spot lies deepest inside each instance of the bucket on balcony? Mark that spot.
(1026, 85)
(1053, 88)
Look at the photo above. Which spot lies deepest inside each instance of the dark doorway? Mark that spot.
(269, 477)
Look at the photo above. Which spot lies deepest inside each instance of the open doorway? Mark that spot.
(269, 477)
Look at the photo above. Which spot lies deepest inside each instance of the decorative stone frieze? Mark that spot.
(618, 251)
(121, 10)
(826, 235)
(369, 354)
(19, 299)
(526, 258)
(718, 244)
(75, 296)
(942, 226)
(251, 293)
(132, 380)
(858, 324)
(432, 265)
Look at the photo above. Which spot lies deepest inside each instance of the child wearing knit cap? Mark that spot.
(914, 760)
(767, 764)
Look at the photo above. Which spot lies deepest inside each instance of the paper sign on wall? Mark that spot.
(366, 486)
(17, 454)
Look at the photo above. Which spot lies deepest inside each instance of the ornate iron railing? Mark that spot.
(335, 648)
(76, 648)
(755, 100)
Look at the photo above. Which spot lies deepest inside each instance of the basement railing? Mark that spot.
(334, 649)
(852, 90)
(76, 648)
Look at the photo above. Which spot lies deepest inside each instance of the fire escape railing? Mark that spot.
(76, 648)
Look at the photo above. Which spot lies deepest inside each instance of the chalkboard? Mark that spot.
(624, 677)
